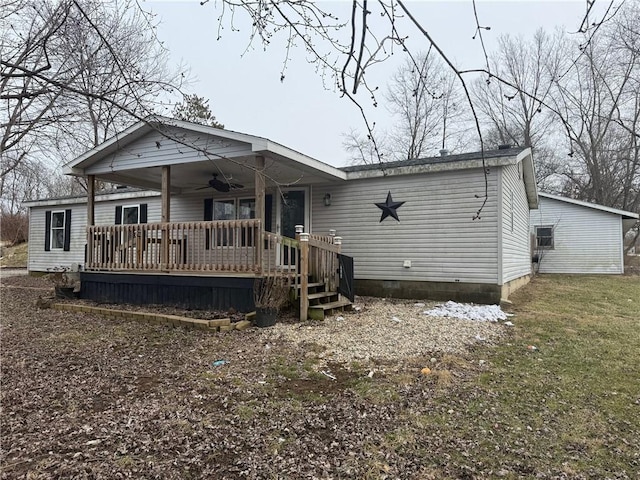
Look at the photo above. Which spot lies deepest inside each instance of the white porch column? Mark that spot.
(260, 189)
(260, 205)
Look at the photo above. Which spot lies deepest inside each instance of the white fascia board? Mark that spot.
(105, 197)
(529, 171)
(595, 206)
(267, 146)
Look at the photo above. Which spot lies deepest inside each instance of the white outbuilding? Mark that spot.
(571, 236)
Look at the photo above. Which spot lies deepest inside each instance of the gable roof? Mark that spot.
(623, 213)
(258, 145)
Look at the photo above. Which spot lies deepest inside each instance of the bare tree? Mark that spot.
(600, 108)
(426, 105)
(515, 113)
(425, 100)
(72, 74)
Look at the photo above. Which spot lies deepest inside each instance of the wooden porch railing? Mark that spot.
(323, 260)
(234, 246)
(224, 246)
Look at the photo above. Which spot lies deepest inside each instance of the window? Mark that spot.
(130, 214)
(247, 208)
(232, 209)
(224, 209)
(57, 230)
(544, 237)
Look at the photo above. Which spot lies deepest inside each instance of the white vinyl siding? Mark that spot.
(585, 240)
(41, 260)
(105, 214)
(155, 149)
(516, 247)
(436, 231)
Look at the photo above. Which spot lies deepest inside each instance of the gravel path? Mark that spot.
(384, 329)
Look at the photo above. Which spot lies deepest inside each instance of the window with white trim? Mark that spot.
(57, 229)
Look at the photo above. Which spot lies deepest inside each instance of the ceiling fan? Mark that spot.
(221, 185)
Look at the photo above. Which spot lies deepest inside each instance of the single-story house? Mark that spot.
(571, 236)
(220, 208)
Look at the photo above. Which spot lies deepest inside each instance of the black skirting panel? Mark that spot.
(202, 293)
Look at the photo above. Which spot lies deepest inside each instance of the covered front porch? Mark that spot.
(229, 206)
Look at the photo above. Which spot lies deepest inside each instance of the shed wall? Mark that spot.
(436, 231)
(586, 240)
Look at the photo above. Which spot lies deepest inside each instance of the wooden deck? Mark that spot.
(234, 246)
(229, 248)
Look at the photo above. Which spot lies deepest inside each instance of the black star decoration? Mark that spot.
(389, 208)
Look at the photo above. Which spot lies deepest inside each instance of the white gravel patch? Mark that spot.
(388, 329)
(468, 311)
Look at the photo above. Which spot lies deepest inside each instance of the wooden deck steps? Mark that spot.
(323, 302)
(319, 311)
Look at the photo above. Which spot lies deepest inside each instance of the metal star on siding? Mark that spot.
(389, 208)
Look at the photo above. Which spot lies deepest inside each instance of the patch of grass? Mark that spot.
(572, 405)
(379, 391)
(15, 256)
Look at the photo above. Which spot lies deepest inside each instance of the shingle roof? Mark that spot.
(507, 152)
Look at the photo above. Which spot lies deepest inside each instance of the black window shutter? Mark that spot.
(208, 216)
(268, 207)
(47, 231)
(67, 230)
(143, 213)
(208, 209)
(119, 215)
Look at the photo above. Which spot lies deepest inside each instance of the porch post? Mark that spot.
(304, 276)
(91, 197)
(260, 207)
(165, 215)
(166, 195)
(91, 217)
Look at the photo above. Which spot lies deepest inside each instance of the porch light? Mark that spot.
(299, 228)
(327, 199)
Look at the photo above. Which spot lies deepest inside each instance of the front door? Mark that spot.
(293, 211)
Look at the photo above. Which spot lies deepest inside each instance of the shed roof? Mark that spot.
(623, 213)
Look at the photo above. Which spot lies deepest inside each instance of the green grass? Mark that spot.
(572, 407)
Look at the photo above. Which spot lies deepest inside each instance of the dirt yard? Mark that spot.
(85, 397)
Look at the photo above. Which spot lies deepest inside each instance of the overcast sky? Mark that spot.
(244, 86)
